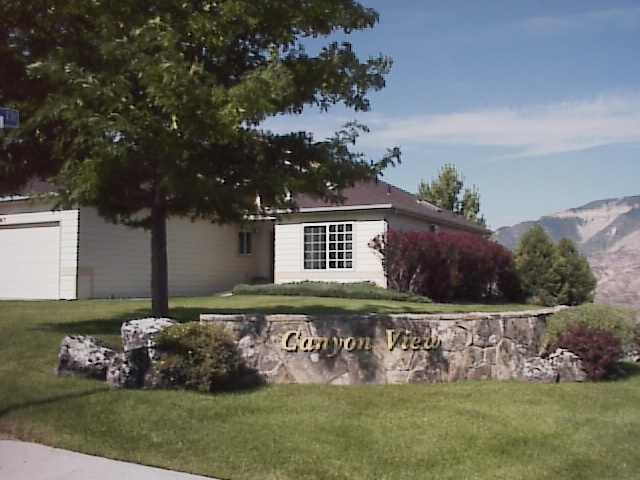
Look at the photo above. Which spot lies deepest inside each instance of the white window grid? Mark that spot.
(328, 246)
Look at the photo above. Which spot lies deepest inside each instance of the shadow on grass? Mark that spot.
(626, 370)
(45, 401)
(94, 326)
(111, 325)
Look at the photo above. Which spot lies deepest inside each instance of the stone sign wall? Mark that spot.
(405, 348)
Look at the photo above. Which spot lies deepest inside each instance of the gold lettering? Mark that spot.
(392, 339)
(337, 346)
(416, 343)
(285, 341)
(321, 343)
(307, 344)
(428, 343)
(364, 343)
(350, 344)
(405, 340)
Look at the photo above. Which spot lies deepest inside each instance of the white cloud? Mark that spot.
(614, 18)
(521, 131)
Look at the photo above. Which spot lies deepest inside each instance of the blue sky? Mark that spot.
(537, 102)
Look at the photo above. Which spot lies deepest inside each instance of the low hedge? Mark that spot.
(616, 320)
(360, 290)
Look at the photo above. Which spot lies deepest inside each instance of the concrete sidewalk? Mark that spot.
(30, 461)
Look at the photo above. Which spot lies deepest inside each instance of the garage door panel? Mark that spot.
(30, 261)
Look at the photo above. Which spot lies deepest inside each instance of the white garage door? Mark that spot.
(30, 261)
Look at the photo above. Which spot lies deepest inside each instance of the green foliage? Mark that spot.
(199, 357)
(150, 110)
(535, 259)
(443, 191)
(361, 290)
(512, 430)
(446, 190)
(615, 320)
(553, 275)
(164, 104)
(577, 281)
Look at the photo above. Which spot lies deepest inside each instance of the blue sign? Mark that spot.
(9, 118)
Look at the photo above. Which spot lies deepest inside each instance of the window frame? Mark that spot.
(243, 235)
(327, 251)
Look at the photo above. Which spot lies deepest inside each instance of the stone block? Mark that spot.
(84, 355)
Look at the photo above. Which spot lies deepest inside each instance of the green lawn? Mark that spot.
(474, 430)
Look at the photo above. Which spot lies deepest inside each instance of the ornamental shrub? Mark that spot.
(553, 275)
(199, 357)
(577, 281)
(599, 349)
(617, 321)
(535, 259)
(447, 266)
(362, 290)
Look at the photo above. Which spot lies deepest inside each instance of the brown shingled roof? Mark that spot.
(383, 193)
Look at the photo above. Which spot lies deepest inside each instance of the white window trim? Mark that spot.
(354, 236)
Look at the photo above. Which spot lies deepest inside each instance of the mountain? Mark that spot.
(608, 233)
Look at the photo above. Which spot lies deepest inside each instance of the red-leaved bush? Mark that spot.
(447, 266)
(598, 349)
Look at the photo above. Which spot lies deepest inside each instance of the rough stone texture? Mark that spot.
(84, 355)
(120, 372)
(561, 366)
(474, 346)
(138, 368)
(141, 333)
(633, 356)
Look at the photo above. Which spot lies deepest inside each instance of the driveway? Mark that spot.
(30, 461)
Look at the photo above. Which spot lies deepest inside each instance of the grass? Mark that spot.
(473, 430)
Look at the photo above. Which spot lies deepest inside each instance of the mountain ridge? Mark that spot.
(606, 231)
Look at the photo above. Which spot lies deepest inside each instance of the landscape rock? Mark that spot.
(121, 373)
(568, 365)
(141, 333)
(142, 357)
(560, 366)
(84, 355)
(472, 346)
(539, 370)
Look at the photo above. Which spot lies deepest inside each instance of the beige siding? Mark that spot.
(203, 257)
(289, 248)
(399, 221)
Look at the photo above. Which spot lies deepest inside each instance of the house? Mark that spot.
(75, 254)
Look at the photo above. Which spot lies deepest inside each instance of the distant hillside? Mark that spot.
(608, 232)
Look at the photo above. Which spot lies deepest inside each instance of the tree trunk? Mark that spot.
(159, 270)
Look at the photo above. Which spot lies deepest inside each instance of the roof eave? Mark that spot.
(467, 225)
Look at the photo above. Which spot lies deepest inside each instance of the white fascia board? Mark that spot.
(379, 206)
(14, 198)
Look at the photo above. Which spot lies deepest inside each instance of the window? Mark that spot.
(244, 243)
(315, 248)
(328, 246)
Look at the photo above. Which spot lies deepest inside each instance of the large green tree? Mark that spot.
(535, 258)
(553, 274)
(577, 281)
(448, 192)
(153, 108)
